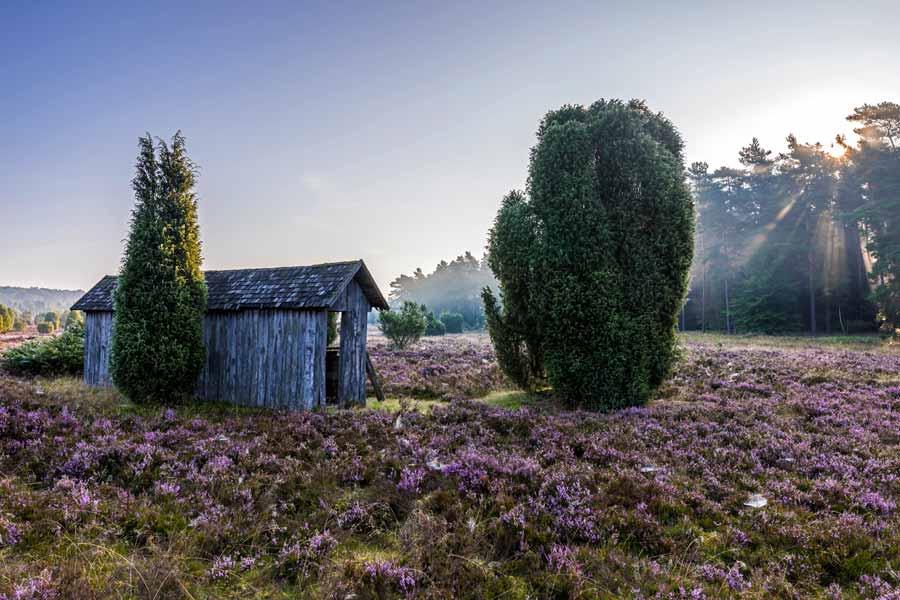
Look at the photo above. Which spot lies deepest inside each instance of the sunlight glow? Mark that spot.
(835, 150)
(759, 239)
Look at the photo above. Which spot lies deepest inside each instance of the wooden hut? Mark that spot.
(265, 333)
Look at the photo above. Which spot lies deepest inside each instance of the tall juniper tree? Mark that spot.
(157, 345)
(593, 262)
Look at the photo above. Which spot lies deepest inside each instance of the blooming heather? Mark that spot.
(470, 500)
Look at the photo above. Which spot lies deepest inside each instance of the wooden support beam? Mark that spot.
(373, 377)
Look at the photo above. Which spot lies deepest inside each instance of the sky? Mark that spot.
(385, 131)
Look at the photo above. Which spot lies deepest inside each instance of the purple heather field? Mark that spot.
(764, 469)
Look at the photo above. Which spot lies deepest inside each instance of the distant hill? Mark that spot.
(38, 300)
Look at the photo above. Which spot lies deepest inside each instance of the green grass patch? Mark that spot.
(871, 342)
(393, 405)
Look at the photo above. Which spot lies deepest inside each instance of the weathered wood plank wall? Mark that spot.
(266, 358)
(97, 344)
(354, 324)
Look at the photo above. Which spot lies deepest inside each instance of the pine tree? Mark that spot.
(875, 171)
(157, 346)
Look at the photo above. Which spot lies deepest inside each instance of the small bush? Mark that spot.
(74, 317)
(433, 325)
(7, 318)
(403, 327)
(50, 317)
(46, 327)
(60, 355)
(453, 322)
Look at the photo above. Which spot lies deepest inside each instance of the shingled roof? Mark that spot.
(313, 286)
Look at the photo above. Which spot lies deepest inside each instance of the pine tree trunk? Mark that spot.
(811, 262)
(727, 309)
(703, 292)
(856, 247)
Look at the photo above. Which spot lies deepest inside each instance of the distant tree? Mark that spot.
(7, 318)
(157, 345)
(403, 327)
(454, 286)
(74, 318)
(453, 322)
(46, 327)
(433, 325)
(598, 254)
(872, 197)
(51, 317)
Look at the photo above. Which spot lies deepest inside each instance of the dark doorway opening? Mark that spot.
(333, 358)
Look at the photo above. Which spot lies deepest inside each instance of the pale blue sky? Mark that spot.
(383, 131)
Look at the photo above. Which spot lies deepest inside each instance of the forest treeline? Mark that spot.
(805, 240)
(35, 300)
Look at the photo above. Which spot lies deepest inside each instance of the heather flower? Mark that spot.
(219, 464)
(78, 493)
(10, 535)
(302, 557)
(166, 488)
(876, 502)
(735, 579)
(411, 480)
(221, 567)
(35, 588)
(355, 515)
(329, 446)
(711, 573)
(387, 573)
(561, 559)
(875, 587)
(321, 544)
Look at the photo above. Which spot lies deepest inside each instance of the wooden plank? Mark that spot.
(373, 377)
(267, 358)
(243, 385)
(308, 354)
(251, 319)
(221, 356)
(277, 358)
(351, 380)
(231, 336)
(320, 350)
(260, 360)
(292, 363)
